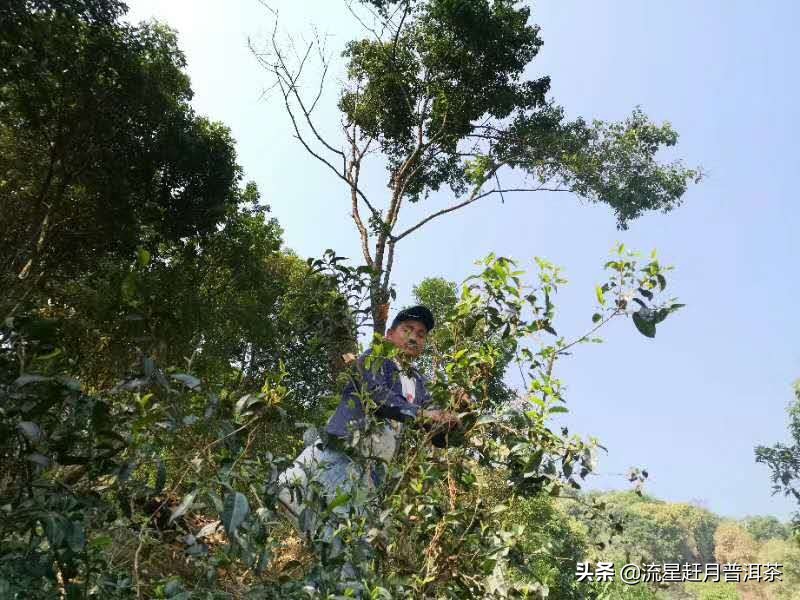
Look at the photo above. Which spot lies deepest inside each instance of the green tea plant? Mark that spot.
(98, 484)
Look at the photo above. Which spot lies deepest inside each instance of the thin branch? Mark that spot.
(406, 11)
(300, 137)
(402, 173)
(292, 84)
(286, 81)
(316, 155)
(389, 262)
(563, 349)
(470, 200)
(361, 22)
(499, 187)
(353, 175)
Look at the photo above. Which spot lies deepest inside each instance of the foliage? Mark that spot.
(713, 591)
(784, 460)
(441, 296)
(160, 352)
(167, 459)
(100, 151)
(131, 234)
(764, 528)
(552, 546)
(642, 529)
(732, 544)
(786, 553)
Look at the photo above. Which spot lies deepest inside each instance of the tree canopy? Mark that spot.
(783, 460)
(100, 150)
(439, 91)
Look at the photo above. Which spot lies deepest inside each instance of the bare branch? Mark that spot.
(352, 176)
(406, 12)
(292, 84)
(286, 80)
(361, 22)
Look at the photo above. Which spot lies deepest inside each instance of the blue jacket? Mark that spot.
(386, 391)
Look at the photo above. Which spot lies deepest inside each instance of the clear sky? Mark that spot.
(691, 404)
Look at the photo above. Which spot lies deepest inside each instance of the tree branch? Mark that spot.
(353, 175)
(286, 81)
(282, 70)
(473, 198)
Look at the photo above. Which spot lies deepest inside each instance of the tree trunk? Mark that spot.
(379, 299)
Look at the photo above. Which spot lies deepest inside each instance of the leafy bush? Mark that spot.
(117, 491)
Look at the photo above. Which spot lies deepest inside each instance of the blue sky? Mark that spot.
(691, 404)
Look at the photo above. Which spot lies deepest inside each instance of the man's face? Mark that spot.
(409, 336)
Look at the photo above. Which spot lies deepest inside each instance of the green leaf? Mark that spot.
(216, 501)
(558, 409)
(39, 459)
(340, 500)
(69, 383)
(50, 355)
(190, 381)
(76, 538)
(645, 325)
(101, 542)
(485, 419)
(596, 317)
(32, 432)
(235, 511)
(660, 315)
(30, 378)
(129, 287)
(54, 530)
(662, 282)
(546, 325)
(143, 257)
(601, 298)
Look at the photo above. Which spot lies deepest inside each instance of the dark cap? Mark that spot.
(415, 313)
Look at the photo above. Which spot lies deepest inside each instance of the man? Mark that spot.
(397, 393)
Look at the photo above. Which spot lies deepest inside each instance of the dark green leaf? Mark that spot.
(30, 378)
(191, 382)
(54, 529)
(31, 431)
(76, 538)
(234, 512)
(39, 459)
(161, 477)
(143, 257)
(645, 325)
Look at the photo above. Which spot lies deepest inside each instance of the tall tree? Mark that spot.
(124, 226)
(783, 460)
(100, 151)
(436, 90)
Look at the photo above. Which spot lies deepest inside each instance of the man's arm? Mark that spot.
(389, 403)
